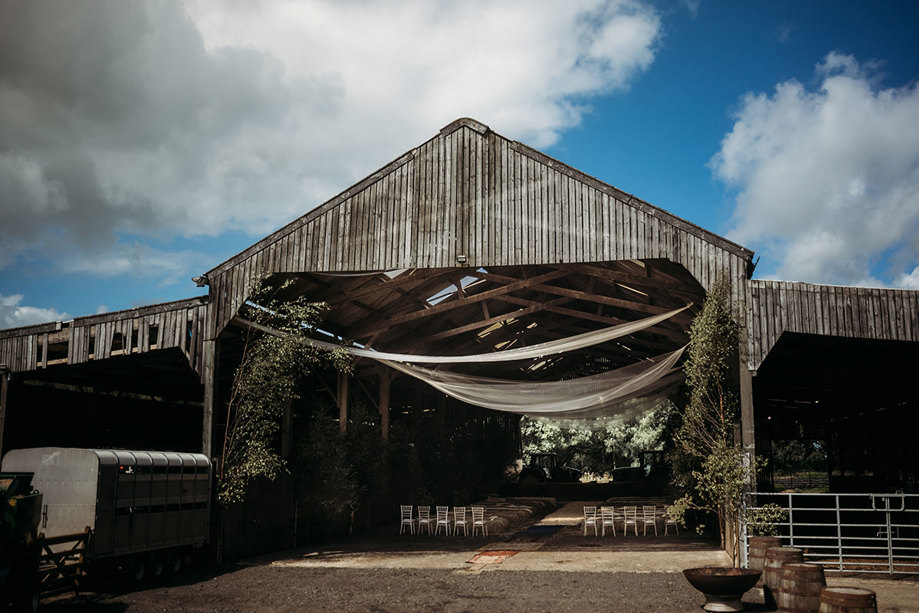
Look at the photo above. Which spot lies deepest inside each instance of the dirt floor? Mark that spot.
(552, 567)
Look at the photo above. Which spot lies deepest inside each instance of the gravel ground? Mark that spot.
(274, 588)
(382, 571)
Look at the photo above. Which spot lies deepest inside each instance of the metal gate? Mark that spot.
(870, 533)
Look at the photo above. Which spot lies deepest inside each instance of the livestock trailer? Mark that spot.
(144, 508)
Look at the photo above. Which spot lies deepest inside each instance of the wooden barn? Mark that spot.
(475, 243)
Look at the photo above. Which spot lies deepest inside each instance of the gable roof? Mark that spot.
(458, 168)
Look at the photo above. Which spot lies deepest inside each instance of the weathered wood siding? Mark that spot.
(162, 326)
(854, 312)
(469, 191)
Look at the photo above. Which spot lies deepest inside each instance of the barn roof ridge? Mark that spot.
(523, 149)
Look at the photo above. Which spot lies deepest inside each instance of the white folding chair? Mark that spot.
(442, 520)
(406, 512)
(607, 518)
(478, 520)
(590, 519)
(424, 519)
(629, 518)
(669, 521)
(649, 518)
(459, 521)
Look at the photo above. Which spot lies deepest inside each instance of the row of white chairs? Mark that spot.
(608, 518)
(442, 519)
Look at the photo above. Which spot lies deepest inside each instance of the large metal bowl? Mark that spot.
(723, 586)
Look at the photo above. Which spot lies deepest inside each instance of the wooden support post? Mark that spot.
(209, 378)
(4, 387)
(385, 380)
(747, 417)
(343, 382)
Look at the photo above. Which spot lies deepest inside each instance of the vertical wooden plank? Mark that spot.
(209, 379)
(518, 208)
(88, 339)
(905, 313)
(4, 394)
(526, 210)
(770, 311)
(104, 337)
(384, 206)
(402, 247)
(380, 197)
(545, 214)
(71, 338)
(361, 232)
(181, 324)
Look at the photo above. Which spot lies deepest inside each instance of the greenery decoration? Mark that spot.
(709, 465)
(271, 369)
(765, 520)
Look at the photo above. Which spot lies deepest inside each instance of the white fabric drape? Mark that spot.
(604, 394)
(626, 391)
(578, 341)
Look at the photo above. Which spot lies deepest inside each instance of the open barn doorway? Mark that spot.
(838, 414)
(145, 401)
(426, 445)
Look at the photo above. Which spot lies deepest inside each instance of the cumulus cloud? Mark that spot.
(171, 119)
(908, 280)
(827, 179)
(14, 314)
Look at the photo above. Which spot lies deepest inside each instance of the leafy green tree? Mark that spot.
(709, 465)
(272, 369)
(618, 444)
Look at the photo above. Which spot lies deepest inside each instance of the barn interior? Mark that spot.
(854, 401)
(146, 401)
(468, 311)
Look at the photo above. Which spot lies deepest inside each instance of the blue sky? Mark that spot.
(143, 143)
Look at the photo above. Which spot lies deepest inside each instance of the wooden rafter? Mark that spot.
(455, 304)
(477, 325)
(587, 296)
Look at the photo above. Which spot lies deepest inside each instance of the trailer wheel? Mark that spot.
(155, 564)
(137, 568)
(174, 561)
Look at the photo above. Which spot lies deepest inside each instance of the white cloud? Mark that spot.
(14, 314)
(139, 260)
(191, 119)
(908, 280)
(827, 180)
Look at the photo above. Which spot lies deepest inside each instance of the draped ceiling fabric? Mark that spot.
(615, 394)
(571, 343)
(640, 385)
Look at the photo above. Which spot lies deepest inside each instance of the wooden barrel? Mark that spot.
(799, 587)
(847, 600)
(756, 552)
(772, 569)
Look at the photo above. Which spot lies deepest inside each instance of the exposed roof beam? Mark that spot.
(517, 314)
(609, 321)
(455, 304)
(581, 295)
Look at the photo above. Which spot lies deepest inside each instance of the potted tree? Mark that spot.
(709, 465)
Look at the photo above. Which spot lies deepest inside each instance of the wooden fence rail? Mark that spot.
(60, 566)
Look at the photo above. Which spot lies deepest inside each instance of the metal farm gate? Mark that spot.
(870, 533)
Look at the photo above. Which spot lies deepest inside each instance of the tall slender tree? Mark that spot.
(710, 466)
